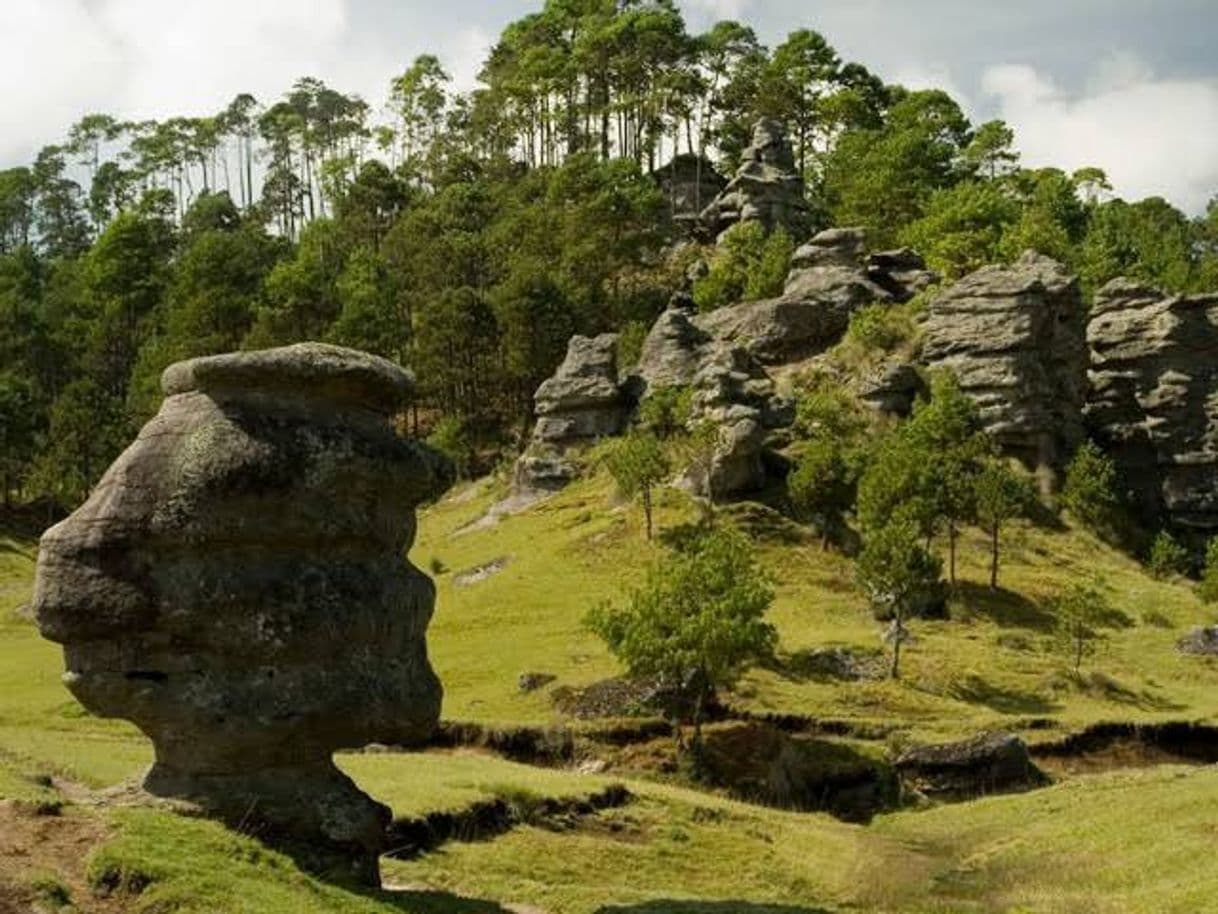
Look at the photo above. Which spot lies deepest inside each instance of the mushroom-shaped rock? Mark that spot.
(236, 586)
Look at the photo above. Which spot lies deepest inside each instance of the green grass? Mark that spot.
(1120, 841)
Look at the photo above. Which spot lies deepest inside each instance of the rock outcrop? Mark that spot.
(1014, 338)
(1153, 403)
(767, 188)
(990, 763)
(730, 389)
(583, 402)
(236, 587)
(831, 277)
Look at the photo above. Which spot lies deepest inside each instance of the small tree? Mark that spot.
(697, 449)
(666, 410)
(637, 464)
(823, 484)
(451, 439)
(697, 622)
(1167, 557)
(1082, 609)
(894, 569)
(1089, 492)
(1001, 495)
(1207, 590)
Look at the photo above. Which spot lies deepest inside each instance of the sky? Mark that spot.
(1128, 85)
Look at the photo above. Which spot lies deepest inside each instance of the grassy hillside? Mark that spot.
(1115, 841)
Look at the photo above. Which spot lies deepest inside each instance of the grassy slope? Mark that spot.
(1124, 841)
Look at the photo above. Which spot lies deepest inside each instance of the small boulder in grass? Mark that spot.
(531, 682)
(988, 763)
(1201, 642)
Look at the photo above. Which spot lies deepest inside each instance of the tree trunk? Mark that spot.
(895, 671)
(951, 551)
(647, 509)
(994, 557)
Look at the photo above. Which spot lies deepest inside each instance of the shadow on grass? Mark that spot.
(1003, 607)
(1103, 686)
(429, 902)
(709, 907)
(975, 690)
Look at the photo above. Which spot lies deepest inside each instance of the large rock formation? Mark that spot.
(1013, 337)
(730, 389)
(583, 402)
(767, 187)
(236, 586)
(831, 277)
(1153, 404)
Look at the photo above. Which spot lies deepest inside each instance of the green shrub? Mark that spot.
(667, 410)
(748, 265)
(1208, 588)
(451, 439)
(630, 344)
(1167, 557)
(1090, 492)
(878, 327)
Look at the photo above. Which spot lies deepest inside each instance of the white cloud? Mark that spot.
(1154, 137)
(719, 9)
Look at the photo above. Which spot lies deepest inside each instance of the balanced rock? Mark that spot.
(767, 188)
(1152, 403)
(1013, 337)
(582, 403)
(236, 587)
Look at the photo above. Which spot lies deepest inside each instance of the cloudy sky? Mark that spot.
(1129, 85)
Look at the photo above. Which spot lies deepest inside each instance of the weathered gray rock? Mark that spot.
(236, 587)
(1013, 337)
(892, 388)
(989, 763)
(767, 188)
(831, 277)
(1202, 642)
(1152, 403)
(733, 391)
(674, 346)
(583, 402)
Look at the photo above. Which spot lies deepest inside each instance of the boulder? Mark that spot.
(733, 391)
(985, 764)
(236, 586)
(891, 388)
(1013, 336)
(674, 346)
(831, 277)
(767, 187)
(581, 403)
(1152, 403)
(1200, 641)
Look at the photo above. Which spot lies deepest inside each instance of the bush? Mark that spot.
(1167, 557)
(747, 266)
(667, 410)
(1207, 590)
(878, 327)
(451, 439)
(1089, 493)
(630, 345)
